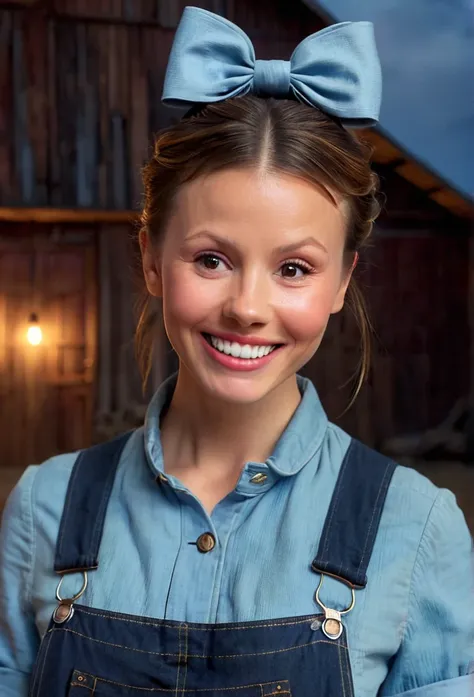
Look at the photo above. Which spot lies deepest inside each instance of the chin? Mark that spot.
(237, 390)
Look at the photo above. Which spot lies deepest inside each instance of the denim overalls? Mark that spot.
(92, 652)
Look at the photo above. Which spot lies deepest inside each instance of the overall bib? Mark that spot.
(92, 652)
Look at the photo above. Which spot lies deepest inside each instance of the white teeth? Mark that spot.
(235, 349)
(240, 350)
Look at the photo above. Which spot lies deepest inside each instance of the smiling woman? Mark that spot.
(239, 544)
(251, 256)
(281, 168)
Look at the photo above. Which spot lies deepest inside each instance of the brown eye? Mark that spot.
(290, 270)
(210, 261)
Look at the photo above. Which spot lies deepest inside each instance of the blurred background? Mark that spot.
(80, 87)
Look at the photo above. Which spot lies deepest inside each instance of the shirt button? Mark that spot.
(258, 478)
(206, 542)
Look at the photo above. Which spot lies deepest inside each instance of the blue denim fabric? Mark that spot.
(411, 627)
(117, 655)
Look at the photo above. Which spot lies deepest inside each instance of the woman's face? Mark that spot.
(249, 271)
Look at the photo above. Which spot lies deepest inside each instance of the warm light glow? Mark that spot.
(34, 333)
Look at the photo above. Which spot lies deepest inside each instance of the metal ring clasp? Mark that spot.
(332, 625)
(65, 609)
(74, 597)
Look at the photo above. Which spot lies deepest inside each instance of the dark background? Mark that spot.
(80, 86)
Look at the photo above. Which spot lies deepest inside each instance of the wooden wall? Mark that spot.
(415, 283)
(80, 88)
(46, 391)
(416, 289)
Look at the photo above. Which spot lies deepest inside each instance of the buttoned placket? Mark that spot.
(204, 541)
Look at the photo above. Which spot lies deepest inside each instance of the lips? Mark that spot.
(238, 362)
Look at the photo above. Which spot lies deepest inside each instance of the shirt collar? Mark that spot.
(298, 443)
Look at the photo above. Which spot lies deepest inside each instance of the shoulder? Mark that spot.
(33, 509)
(39, 496)
(411, 498)
(422, 523)
(46, 482)
(405, 480)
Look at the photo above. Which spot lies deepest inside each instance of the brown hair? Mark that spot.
(279, 136)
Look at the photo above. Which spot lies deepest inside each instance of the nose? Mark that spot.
(249, 299)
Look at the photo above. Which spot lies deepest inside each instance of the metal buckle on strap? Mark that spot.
(332, 625)
(65, 609)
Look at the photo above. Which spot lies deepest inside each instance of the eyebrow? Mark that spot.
(284, 249)
(302, 243)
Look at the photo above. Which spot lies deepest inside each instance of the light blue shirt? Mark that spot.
(411, 627)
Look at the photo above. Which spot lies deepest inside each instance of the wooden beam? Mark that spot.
(67, 215)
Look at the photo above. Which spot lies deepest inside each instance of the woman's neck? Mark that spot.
(201, 433)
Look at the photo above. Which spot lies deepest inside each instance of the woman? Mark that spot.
(239, 544)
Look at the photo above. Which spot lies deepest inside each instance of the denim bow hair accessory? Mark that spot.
(336, 69)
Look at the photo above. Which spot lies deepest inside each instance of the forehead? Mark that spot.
(254, 207)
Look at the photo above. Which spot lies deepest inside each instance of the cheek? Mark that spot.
(187, 298)
(306, 314)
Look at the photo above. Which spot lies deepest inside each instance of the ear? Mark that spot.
(151, 265)
(341, 293)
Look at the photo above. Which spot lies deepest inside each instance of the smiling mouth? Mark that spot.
(237, 350)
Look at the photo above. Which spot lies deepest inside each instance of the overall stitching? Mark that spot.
(287, 691)
(35, 690)
(185, 658)
(91, 689)
(375, 512)
(197, 655)
(179, 690)
(198, 689)
(67, 504)
(100, 519)
(335, 501)
(248, 626)
(341, 670)
(179, 662)
(347, 672)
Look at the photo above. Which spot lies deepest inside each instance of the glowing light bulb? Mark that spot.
(34, 333)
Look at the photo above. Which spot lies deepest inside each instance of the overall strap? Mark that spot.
(354, 514)
(82, 522)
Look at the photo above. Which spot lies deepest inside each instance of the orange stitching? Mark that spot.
(179, 661)
(185, 659)
(78, 684)
(343, 682)
(303, 620)
(278, 692)
(198, 689)
(347, 661)
(43, 662)
(193, 655)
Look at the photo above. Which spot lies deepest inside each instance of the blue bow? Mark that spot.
(336, 69)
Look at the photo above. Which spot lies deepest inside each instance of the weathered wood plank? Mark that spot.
(66, 215)
(40, 274)
(73, 98)
(67, 96)
(23, 154)
(6, 110)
